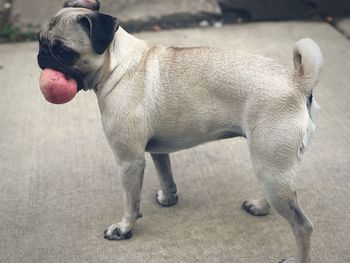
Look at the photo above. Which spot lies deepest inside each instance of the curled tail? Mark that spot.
(308, 59)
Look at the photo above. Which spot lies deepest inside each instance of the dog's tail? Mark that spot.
(308, 59)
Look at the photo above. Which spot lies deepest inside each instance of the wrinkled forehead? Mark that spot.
(64, 25)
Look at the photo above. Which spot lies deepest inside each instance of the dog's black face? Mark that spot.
(56, 55)
(74, 42)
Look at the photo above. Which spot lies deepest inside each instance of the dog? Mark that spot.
(164, 99)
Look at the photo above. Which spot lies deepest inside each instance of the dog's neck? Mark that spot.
(125, 53)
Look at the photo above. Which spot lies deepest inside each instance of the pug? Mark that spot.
(161, 100)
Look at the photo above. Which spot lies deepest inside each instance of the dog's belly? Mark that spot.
(168, 144)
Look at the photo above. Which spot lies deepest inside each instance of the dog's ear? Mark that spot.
(93, 5)
(100, 28)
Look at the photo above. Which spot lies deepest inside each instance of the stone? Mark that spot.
(133, 14)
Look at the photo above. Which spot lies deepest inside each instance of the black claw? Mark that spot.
(128, 235)
(117, 232)
(244, 204)
(246, 207)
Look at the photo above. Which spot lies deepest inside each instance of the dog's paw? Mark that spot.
(114, 232)
(255, 208)
(166, 200)
(287, 260)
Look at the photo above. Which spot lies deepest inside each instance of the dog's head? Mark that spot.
(75, 40)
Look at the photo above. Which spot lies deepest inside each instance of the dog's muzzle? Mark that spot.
(46, 59)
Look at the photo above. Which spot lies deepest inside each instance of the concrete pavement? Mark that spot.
(58, 180)
(343, 25)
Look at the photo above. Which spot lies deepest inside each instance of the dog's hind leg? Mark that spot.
(279, 188)
(281, 195)
(167, 196)
(275, 163)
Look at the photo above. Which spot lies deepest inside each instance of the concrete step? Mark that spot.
(134, 14)
(343, 25)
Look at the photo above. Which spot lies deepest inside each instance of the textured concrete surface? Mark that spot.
(33, 12)
(36, 12)
(343, 25)
(144, 10)
(59, 187)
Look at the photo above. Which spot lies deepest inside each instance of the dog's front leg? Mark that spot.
(131, 175)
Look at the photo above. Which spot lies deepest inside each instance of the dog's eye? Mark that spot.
(64, 53)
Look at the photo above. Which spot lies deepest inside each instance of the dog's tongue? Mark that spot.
(56, 88)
